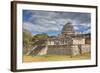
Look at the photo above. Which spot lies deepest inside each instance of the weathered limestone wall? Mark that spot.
(75, 50)
(43, 51)
(50, 42)
(64, 50)
(84, 48)
(78, 41)
(59, 50)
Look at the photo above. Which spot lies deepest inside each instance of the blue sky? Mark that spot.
(52, 22)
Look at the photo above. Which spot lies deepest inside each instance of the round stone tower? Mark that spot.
(68, 29)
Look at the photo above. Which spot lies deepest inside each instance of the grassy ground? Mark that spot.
(55, 58)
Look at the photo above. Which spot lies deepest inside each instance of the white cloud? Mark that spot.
(46, 21)
(76, 28)
(37, 28)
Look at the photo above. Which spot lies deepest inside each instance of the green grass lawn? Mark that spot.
(44, 58)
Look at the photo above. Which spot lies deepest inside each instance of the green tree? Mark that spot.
(40, 36)
(27, 38)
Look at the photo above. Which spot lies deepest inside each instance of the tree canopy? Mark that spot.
(40, 36)
(27, 38)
